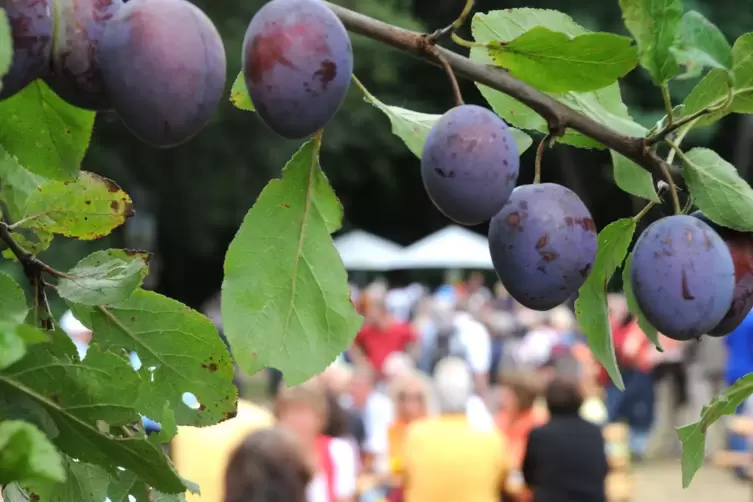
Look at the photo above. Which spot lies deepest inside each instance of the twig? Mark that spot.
(457, 24)
(546, 141)
(33, 269)
(457, 95)
(692, 118)
(558, 116)
(672, 189)
(667, 104)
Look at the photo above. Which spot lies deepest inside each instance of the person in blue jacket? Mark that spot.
(739, 345)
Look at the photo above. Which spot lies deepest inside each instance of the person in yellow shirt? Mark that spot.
(447, 458)
(201, 455)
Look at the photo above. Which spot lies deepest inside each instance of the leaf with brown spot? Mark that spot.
(62, 208)
(104, 277)
(176, 340)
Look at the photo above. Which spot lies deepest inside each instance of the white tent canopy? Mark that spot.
(451, 247)
(361, 250)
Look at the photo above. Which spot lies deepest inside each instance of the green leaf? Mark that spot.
(88, 208)
(67, 399)
(85, 483)
(591, 305)
(555, 62)
(604, 106)
(105, 277)
(128, 484)
(701, 44)
(33, 241)
(285, 296)
(718, 190)
(6, 46)
(413, 127)
(16, 184)
(12, 300)
(239, 95)
(27, 456)
(654, 24)
(713, 89)
(182, 344)
(632, 178)
(13, 341)
(47, 135)
(693, 436)
(633, 306)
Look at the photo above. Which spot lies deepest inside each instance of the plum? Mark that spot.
(76, 75)
(683, 276)
(469, 164)
(740, 245)
(543, 244)
(32, 31)
(164, 66)
(297, 64)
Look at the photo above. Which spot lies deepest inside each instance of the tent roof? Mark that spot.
(361, 250)
(451, 247)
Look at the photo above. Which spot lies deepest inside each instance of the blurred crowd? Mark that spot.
(461, 394)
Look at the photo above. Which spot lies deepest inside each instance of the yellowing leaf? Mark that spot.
(552, 61)
(591, 305)
(239, 95)
(88, 208)
(285, 296)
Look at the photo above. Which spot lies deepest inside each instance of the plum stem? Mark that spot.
(554, 112)
(457, 95)
(456, 25)
(648, 207)
(672, 187)
(545, 142)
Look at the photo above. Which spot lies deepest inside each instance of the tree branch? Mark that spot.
(558, 116)
(33, 269)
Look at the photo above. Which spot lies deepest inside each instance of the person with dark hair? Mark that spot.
(565, 460)
(267, 467)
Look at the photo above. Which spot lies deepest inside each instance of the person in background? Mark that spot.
(379, 337)
(447, 458)
(267, 467)
(565, 460)
(536, 346)
(410, 396)
(203, 454)
(515, 419)
(476, 349)
(78, 333)
(739, 363)
(303, 411)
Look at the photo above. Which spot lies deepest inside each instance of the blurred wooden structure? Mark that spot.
(620, 478)
(731, 459)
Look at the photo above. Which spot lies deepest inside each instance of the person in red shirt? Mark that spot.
(380, 336)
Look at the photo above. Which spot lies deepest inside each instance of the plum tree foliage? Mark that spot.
(70, 429)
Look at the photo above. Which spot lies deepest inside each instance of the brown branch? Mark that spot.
(33, 269)
(558, 116)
